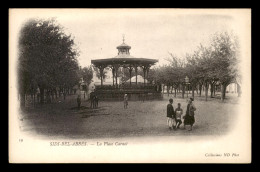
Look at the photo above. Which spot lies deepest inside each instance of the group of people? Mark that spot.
(93, 99)
(175, 116)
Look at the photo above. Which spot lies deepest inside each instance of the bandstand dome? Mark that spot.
(123, 45)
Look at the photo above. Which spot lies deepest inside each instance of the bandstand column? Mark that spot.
(101, 70)
(130, 72)
(116, 70)
(135, 74)
(144, 70)
(113, 73)
(147, 71)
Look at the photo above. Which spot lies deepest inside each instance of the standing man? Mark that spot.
(92, 99)
(125, 101)
(79, 101)
(96, 100)
(170, 114)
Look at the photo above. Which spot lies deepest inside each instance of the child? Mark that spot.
(170, 114)
(178, 112)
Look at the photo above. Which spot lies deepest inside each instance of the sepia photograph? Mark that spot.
(129, 85)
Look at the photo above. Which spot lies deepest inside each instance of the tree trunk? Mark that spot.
(239, 90)
(222, 92)
(60, 92)
(41, 95)
(171, 89)
(168, 90)
(33, 99)
(206, 91)
(183, 91)
(163, 89)
(175, 92)
(200, 88)
(64, 95)
(214, 90)
(211, 90)
(22, 100)
(192, 91)
(52, 96)
(56, 94)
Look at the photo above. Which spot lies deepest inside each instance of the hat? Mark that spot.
(191, 99)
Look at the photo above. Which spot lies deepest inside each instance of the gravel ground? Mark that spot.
(63, 120)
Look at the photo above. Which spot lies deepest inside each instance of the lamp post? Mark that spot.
(187, 82)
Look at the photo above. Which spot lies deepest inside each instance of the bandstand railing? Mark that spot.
(135, 92)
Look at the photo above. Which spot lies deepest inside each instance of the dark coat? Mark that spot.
(190, 110)
(170, 111)
(189, 117)
(92, 96)
(79, 100)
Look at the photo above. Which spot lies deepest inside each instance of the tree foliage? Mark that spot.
(47, 57)
(207, 65)
(87, 74)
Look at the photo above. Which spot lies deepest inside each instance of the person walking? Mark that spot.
(170, 114)
(189, 116)
(125, 101)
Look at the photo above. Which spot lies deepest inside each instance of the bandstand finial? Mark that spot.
(123, 38)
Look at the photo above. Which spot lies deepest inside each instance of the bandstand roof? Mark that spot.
(123, 60)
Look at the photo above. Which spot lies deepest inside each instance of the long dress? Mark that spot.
(189, 117)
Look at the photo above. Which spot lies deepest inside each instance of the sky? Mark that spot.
(151, 34)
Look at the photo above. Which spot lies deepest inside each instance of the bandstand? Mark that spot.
(134, 90)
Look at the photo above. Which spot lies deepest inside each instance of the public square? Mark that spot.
(61, 119)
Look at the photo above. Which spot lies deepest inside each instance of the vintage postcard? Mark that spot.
(130, 86)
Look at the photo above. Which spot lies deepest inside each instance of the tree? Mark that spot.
(97, 71)
(205, 67)
(225, 59)
(87, 74)
(47, 58)
(193, 70)
(177, 73)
